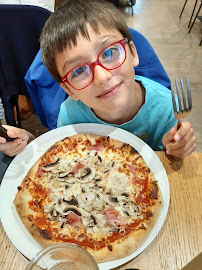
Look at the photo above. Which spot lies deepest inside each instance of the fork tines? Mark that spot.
(186, 104)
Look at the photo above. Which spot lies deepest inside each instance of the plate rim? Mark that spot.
(105, 130)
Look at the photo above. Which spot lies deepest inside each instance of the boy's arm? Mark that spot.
(16, 146)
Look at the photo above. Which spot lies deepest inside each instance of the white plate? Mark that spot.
(21, 164)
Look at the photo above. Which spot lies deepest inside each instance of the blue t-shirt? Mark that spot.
(154, 119)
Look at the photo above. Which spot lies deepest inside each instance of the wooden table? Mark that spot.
(180, 238)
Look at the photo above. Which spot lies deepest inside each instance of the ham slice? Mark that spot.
(77, 167)
(73, 219)
(113, 216)
(97, 147)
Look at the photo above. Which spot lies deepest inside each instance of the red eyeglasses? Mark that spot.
(110, 58)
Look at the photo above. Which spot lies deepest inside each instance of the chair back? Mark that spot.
(20, 29)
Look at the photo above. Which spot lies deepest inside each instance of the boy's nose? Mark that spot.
(101, 75)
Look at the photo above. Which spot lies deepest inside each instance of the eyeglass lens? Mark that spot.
(110, 58)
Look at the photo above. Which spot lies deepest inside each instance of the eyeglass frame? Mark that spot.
(97, 62)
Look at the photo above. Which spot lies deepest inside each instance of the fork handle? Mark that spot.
(179, 123)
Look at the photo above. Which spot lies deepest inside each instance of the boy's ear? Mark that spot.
(134, 54)
(68, 91)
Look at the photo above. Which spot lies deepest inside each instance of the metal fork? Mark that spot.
(184, 101)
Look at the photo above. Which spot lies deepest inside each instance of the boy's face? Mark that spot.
(111, 90)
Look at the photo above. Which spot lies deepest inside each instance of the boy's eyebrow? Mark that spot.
(72, 60)
(103, 40)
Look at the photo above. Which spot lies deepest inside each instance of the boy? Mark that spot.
(87, 48)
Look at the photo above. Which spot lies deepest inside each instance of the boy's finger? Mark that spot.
(173, 131)
(183, 141)
(176, 149)
(190, 150)
(169, 136)
(182, 131)
(183, 151)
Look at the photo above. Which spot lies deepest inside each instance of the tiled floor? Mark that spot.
(179, 52)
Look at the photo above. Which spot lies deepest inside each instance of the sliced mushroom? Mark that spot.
(51, 166)
(111, 200)
(86, 220)
(66, 165)
(72, 201)
(72, 209)
(85, 172)
(48, 208)
(95, 158)
(131, 210)
(89, 209)
(85, 175)
(52, 163)
(99, 202)
(98, 219)
(69, 178)
(63, 174)
(94, 219)
(120, 182)
(62, 222)
(86, 199)
(92, 160)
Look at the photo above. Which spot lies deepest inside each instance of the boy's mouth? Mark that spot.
(110, 92)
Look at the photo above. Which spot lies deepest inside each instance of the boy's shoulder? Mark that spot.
(151, 85)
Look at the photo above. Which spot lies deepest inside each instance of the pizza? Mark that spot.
(91, 190)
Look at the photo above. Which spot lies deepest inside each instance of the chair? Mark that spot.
(123, 3)
(47, 96)
(129, 3)
(20, 29)
(200, 19)
(192, 11)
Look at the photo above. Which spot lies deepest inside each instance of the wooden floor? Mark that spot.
(178, 51)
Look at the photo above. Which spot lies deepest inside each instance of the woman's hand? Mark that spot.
(18, 145)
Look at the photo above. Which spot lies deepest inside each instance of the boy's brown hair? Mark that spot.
(71, 19)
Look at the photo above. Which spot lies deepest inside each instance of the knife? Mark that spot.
(3, 133)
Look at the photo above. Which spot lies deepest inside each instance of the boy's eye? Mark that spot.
(109, 52)
(78, 71)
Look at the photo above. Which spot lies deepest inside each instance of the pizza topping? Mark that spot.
(85, 175)
(77, 167)
(72, 201)
(113, 216)
(97, 147)
(51, 166)
(73, 219)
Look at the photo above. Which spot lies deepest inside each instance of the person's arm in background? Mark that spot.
(16, 146)
(2, 115)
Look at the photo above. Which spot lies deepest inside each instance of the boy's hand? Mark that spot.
(181, 142)
(18, 145)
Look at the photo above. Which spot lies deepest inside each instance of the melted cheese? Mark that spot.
(90, 196)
